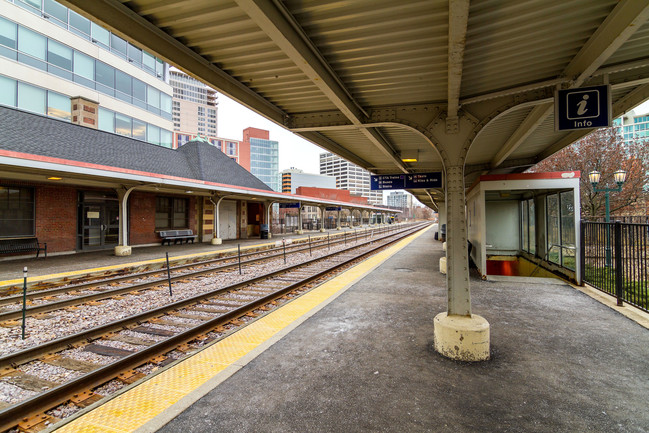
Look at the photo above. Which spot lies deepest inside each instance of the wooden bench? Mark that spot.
(177, 236)
(22, 245)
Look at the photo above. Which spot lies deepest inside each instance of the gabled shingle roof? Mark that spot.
(38, 135)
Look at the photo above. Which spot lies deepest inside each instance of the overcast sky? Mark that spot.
(294, 151)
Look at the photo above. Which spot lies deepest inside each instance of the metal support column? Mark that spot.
(457, 277)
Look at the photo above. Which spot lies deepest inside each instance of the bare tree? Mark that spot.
(604, 150)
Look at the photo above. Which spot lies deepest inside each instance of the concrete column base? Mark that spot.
(270, 235)
(462, 338)
(444, 246)
(299, 232)
(217, 241)
(442, 265)
(121, 250)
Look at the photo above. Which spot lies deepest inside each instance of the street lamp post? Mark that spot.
(620, 177)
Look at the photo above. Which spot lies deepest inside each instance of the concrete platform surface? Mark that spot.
(560, 362)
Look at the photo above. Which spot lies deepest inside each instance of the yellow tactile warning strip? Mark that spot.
(156, 401)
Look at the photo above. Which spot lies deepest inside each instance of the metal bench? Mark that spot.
(22, 245)
(177, 236)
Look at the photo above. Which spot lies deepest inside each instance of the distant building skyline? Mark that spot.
(399, 199)
(263, 154)
(294, 178)
(349, 177)
(195, 108)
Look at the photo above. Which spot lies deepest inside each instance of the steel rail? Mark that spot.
(299, 247)
(26, 355)
(57, 305)
(9, 417)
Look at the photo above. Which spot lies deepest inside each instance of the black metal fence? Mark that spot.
(615, 260)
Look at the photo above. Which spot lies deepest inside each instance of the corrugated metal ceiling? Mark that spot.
(343, 61)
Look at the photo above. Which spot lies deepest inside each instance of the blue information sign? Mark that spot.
(387, 181)
(582, 108)
(334, 208)
(406, 181)
(288, 205)
(424, 180)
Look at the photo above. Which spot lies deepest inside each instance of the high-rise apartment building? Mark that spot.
(195, 108)
(350, 177)
(400, 200)
(634, 126)
(263, 156)
(56, 63)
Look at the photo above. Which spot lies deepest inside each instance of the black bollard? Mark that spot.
(239, 254)
(169, 275)
(24, 300)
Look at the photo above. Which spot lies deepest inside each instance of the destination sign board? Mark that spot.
(387, 181)
(334, 208)
(289, 205)
(406, 181)
(424, 180)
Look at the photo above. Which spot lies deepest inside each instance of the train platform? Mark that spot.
(355, 354)
(56, 267)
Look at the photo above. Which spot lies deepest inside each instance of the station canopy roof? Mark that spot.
(373, 80)
(42, 149)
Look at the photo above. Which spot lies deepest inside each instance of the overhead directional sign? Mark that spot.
(289, 205)
(424, 180)
(333, 208)
(582, 108)
(387, 181)
(406, 181)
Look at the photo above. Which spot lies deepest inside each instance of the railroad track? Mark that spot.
(131, 345)
(68, 295)
(38, 289)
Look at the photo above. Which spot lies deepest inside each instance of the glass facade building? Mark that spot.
(264, 161)
(31, 41)
(634, 126)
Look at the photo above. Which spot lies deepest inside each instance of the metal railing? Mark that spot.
(615, 260)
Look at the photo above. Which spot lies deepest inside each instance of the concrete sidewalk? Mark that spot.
(561, 362)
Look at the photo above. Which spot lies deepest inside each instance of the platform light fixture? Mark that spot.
(619, 177)
(409, 155)
(594, 177)
(54, 178)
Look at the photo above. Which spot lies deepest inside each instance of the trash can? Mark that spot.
(264, 231)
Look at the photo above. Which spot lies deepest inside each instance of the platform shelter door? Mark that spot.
(228, 220)
(99, 225)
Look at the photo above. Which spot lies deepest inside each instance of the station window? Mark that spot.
(560, 223)
(528, 229)
(16, 211)
(171, 213)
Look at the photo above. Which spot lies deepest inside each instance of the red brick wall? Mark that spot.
(142, 218)
(330, 194)
(56, 217)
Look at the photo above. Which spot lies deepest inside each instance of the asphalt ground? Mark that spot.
(560, 362)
